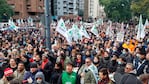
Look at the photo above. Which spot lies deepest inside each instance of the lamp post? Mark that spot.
(47, 23)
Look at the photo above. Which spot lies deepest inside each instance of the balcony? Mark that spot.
(70, 6)
(70, 1)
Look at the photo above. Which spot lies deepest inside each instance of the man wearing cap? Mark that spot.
(68, 76)
(46, 67)
(29, 76)
(8, 76)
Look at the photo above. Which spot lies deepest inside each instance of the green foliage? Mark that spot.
(5, 10)
(140, 7)
(117, 10)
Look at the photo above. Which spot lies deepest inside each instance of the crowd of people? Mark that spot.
(24, 58)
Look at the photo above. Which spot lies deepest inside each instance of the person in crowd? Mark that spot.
(19, 73)
(56, 73)
(40, 78)
(141, 62)
(87, 54)
(105, 60)
(46, 67)
(8, 76)
(73, 55)
(62, 58)
(88, 72)
(144, 78)
(104, 77)
(29, 76)
(25, 60)
(37, 59)
(120, 69)
(78, 61)
(68, 76)
(97, 62)
(12, 64)
(130, 76)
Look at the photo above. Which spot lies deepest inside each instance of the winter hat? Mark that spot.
(33, 65)
(8, 72)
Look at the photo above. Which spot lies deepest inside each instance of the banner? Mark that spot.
(61, 28)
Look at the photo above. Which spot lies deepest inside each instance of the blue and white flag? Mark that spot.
(12, 26)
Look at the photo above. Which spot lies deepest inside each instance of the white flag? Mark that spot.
(69, 35)
(12, 26)
(120, 36)
(61, 28)
(19, 22)
(94, 30)
(141, 29)
(146, 23)
(83, 32)
(100, 21)
(76, 34)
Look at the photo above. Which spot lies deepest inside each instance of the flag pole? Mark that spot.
(47, 23)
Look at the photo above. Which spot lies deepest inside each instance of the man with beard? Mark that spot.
(8, 76)
(19, 73)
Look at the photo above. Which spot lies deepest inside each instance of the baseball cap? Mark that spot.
(8, 72)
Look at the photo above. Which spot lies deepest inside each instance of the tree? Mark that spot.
(117, 10)
(140, 7)
(5, 11)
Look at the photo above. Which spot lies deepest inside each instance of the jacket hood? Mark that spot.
(41, 75)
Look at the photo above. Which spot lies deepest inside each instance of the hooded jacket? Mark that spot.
(40, 75)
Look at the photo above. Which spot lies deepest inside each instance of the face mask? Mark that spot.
(138, 55)
(96, 62)
(106, 58)
(9, 78)
(119, 62)
(124, 52)
(39, 81)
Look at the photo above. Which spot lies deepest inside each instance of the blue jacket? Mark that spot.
(27, 75)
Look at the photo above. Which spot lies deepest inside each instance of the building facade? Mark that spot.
(25, 8)
(66, 7)
(92, 9)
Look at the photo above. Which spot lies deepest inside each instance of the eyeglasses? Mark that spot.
(87, 62)
(127, 68)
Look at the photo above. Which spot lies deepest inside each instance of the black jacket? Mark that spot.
(129, 79)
